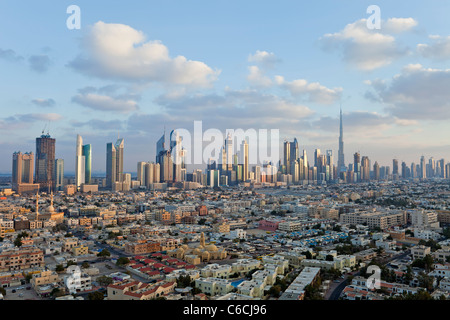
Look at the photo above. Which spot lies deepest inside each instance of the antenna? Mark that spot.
(43, 130)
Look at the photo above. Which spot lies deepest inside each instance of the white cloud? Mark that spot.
(368, 49)
(118, 51)
(417, 93)
(257, 78)
(266, 59)
(314, 91)
(438, 50)
(398, 25)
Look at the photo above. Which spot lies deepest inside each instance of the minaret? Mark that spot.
(202, 239)
(341, 162)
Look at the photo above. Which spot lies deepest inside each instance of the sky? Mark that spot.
(137, 68)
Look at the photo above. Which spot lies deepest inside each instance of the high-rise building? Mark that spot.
(365, 169)
(341, 161)
(423, 168)
(79, 163)
(316, 157)
(376, 171)
(59, 174)
(45, 161)
(87, 154)
(141, 173)
(395, 172)
(114, 163)
(22, 169)
(287, 156)
(245, 160)
(357, 166)
(330, 162)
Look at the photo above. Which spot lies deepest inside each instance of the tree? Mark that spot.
(104, 253)
(59, 268)
(122, 261)
(329, 257)
(85, 265)
(18, 242)
(183, 281)
(97, 295)
(3, 291)
(104, 281)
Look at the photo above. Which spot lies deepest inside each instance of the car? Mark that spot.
(28, 288)
(13, 291)
(21, 295)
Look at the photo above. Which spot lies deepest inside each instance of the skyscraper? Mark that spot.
(341, 161)
(59, 174)
(114, 163)
(79, 163)
(244, 151)
(22, 169)
(287, 156)
(45, 161)
(87, 154)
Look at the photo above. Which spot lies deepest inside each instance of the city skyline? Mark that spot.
(296, 86)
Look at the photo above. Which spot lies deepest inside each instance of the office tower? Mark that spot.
(160, 146)
(245, 160)
(365, 169)
(423, 168)
(257, 170)
(87, 154)
(141, 174)
(166, 166)
(413, 170)
(442, 169)
(305, 162)
(395, 172)
(431, 168)
(229, 150)
(148, 173)
(79, 163)
(341, 161)
(447, 171)
(294, 150)
(330, 162)
(45, 161)
(316, 157)
(405, 172)
(59, 174)
(22, 169)
(223, 159)
(357, 166)
(287, 156)
(376, 171)
(114, 163)
(177, 154)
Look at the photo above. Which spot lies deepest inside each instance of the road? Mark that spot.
(336, 293)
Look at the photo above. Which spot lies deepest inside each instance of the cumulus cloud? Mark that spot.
(417, 93)
(264, 58)
(44, 102)
(108, 98)
(39, 63)
(120, 52)
(439, 49)
(368, 49)
(314, 91)
(257, 78)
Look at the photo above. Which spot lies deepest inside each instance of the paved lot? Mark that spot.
(22, 294)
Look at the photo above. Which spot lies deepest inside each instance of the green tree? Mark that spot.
(122, 261)
(59, 268)
(85, 265)
(104, 281)
(97, 295)
(104, 253)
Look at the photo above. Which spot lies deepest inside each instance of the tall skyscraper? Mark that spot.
(245, 162)
(22, 169)
(357, 166)
(87, 154)
(295, 153)
(114, 163)
(316, 157)
(330, 162)
(79, 163)
(376, 171)
(45, 161)
(59, 174)
(365, 168)
(423, 168)
(287, 156)
(341, 161)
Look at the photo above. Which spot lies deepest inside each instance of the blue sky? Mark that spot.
(284, 65)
